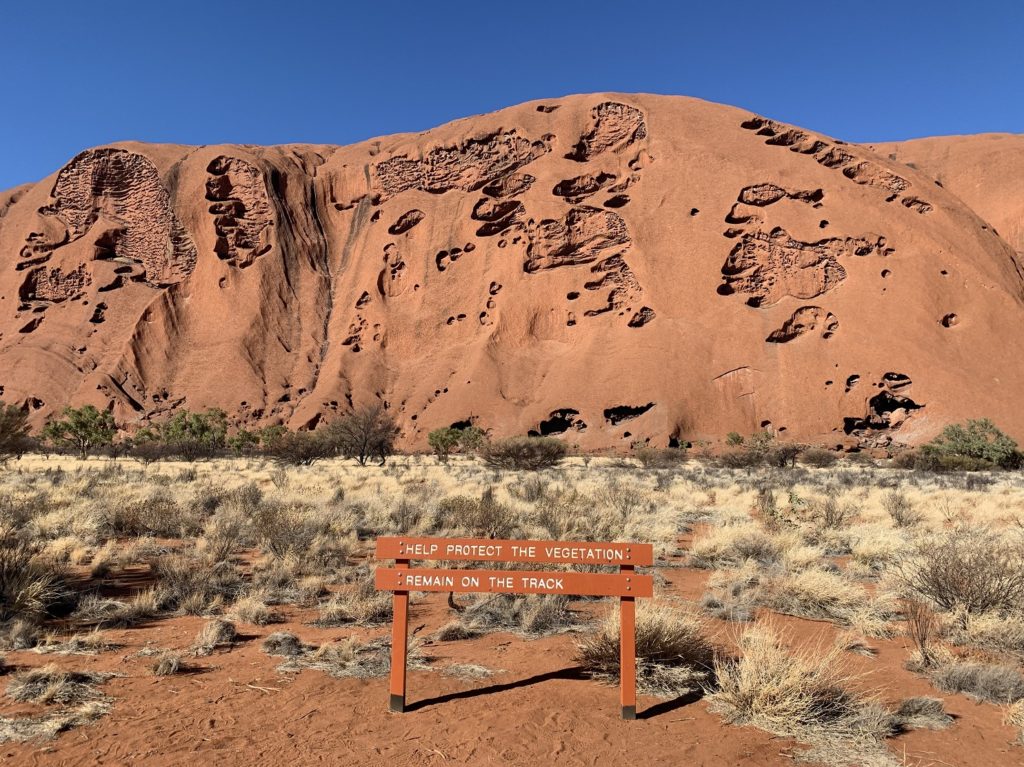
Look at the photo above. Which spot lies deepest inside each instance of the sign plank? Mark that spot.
(626, 584)
(546, 552)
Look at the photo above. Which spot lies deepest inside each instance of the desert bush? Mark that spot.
(29, 586)
(167, 663)
(665, 458)
(253, 610)
(806, 694)
(922, 713)
(524, 453)
(483, 517)
(731, 546)
(832, 514)
(283, 643)
(223, 533)
(975, 570)
(1015, 718)
(353, 657)
(992, 683)
(824, 595)
(188, 435)
(193, 584)
(89, 643)
(215, 633)
(19, 634)
(998, 632)
(819, 457)
(51, 685)
(94, 610)
(302, 448)
(286, 529)
(783, 455)
(13, 431)
(978, 441)
(530, 614)
(740, 459)
(900, 509)
(454, 631)
(84, 429)
(361, 604)
(672, 654)
(922, 628)
(366, 433)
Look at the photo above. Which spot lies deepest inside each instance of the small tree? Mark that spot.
(366, 433)
(978, 440)
(84, 429)
(443, 441)
(195, 435)
(448, 440)
(13, 431)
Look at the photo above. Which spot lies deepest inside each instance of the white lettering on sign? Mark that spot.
(542, 583)
(501, 582)
(585, 552)
(473, 549)
(429, 580)
(524, 551)
(470, 582)
(419, 549)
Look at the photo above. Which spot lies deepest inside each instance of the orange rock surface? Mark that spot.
(614, 268)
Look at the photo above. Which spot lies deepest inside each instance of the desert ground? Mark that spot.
(223, 611)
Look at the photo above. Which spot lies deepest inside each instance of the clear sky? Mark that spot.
(77, 74)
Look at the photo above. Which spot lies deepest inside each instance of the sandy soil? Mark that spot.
(237, 709)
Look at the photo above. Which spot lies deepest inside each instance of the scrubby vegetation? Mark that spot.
(269, 549)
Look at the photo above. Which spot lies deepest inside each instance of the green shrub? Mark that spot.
(13, 431)
(524, 453)
(978, 444)
(652, 458)
(818, 457)
(84, 429)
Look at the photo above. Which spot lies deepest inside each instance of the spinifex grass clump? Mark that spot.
(672, 654)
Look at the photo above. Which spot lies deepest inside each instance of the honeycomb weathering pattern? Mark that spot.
(241, 208)
(468, 166)
(660, 269)
(125, 186)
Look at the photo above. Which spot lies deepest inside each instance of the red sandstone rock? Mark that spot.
(662, 268)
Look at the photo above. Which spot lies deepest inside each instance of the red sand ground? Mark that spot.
(536, 711)
(617, 267)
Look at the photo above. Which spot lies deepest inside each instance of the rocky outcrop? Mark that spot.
(614, 269)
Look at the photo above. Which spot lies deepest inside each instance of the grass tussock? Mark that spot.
(805, 694)
(284, 644)
(353, 657)
(530, 615)
(168, 663)
(672, 653)
(50, 685)
(50, 725)
(215, 634)
(88, 643)
(995, 683)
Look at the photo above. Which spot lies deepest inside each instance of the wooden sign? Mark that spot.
(625, 584)
(539, 552)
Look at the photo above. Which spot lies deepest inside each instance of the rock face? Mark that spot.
(613, 268)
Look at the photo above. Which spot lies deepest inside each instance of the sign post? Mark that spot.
(625, 584)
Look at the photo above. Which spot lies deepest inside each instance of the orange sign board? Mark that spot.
(538, 552)
(516, 582)
(625, 584)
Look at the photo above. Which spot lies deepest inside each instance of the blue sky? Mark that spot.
(81, 74)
